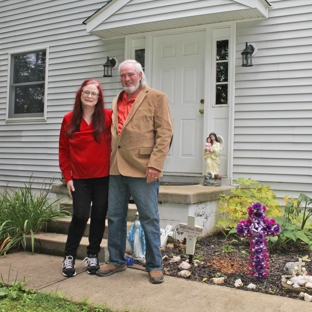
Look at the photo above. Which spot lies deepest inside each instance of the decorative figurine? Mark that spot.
(213, 147)
(136, 239)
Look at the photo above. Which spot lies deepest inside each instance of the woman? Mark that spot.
(84, 155)
(213, 157)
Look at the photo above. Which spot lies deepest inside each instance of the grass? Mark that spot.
(16, 297)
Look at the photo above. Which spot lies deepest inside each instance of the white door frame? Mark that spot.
(133, 42)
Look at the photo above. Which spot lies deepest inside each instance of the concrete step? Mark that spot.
(68, 206)
(54, 244)
(61, 225)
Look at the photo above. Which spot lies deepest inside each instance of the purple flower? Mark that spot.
(258, 250)
(277, 228)
(241, 230)
(258, 258)
(258, 267)
(258, 242)
(257, 206)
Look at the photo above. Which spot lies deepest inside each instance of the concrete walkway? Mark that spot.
(131, 289)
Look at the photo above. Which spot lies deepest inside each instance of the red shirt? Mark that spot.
(81, 157)
(123, 106)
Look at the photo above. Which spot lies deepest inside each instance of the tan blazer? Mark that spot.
(145, 137)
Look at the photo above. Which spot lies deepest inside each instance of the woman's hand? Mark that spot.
(70, 188)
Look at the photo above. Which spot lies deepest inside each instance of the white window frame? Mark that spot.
(11, 118)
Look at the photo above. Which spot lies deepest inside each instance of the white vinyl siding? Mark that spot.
(273, 102)
(27, 147)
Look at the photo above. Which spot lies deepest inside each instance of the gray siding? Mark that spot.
(273, 102)
(30, 148)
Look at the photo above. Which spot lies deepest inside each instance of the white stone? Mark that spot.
(218, 280)
(301, 280)
(295, 285)
(284, 280)
(175, 259)
(308, 285)
(164, 233)
(184, 265)
(184, 273)
(307, 297)
(251, 286)
(238, 283)
(289, 282)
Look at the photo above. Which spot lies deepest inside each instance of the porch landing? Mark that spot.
(176, 202)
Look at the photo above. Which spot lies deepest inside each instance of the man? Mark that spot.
(141, 134)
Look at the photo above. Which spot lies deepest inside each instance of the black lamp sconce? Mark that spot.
(109, 65)
(247, 54)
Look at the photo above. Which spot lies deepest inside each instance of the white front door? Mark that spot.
(178, 70)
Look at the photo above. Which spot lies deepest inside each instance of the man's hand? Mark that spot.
(152, 175)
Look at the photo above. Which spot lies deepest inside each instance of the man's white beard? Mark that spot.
(132, 89)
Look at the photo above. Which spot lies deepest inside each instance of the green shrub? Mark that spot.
(234, 208)
(297, 213)
(24, 212)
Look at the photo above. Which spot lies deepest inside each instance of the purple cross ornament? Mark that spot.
(257, 227)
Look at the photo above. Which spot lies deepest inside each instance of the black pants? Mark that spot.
(87, 191)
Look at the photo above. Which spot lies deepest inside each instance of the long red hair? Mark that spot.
(98, 116)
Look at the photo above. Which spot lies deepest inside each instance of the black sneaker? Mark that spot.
(69, 266)
(92, 263)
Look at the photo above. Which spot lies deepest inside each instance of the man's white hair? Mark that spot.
(138, 69)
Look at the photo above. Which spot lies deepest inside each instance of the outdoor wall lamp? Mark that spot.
(109, 65)
(247, 54)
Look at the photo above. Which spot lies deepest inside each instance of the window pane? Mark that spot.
(222, 72)
(29, 67)
(29, 99)
(222, 94)
(222, 50)
(140, 57)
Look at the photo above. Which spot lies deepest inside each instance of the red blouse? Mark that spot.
(81, 157)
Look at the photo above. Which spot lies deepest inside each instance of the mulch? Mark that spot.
(228, 257)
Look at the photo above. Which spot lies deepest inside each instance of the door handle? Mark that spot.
(201, 111)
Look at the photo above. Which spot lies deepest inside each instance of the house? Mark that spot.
(191, 49)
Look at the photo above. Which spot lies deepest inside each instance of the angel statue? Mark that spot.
(212, 156)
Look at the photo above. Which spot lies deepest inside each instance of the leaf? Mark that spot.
(204, 279)
(303, 237)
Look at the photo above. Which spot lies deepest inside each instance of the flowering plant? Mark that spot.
(257, 227)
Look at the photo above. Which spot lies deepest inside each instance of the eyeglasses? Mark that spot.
(87, 93)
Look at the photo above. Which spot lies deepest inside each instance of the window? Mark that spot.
(222, 72)
(140, 57)
(27, 87)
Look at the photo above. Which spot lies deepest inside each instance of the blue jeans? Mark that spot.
(145, 196)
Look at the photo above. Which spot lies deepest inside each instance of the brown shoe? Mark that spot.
(110, 269)
(156, 276)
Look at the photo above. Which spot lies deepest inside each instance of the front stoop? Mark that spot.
(53, 240)
(175, 204)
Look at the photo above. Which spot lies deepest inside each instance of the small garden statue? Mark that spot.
(212, 151)
(136, 239)
(257, 227)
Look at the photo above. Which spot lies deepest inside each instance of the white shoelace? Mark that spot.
(68, 262)
(90, 261)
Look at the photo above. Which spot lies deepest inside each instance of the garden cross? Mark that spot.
(192, 231)
(300, 264)
(257, 227)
